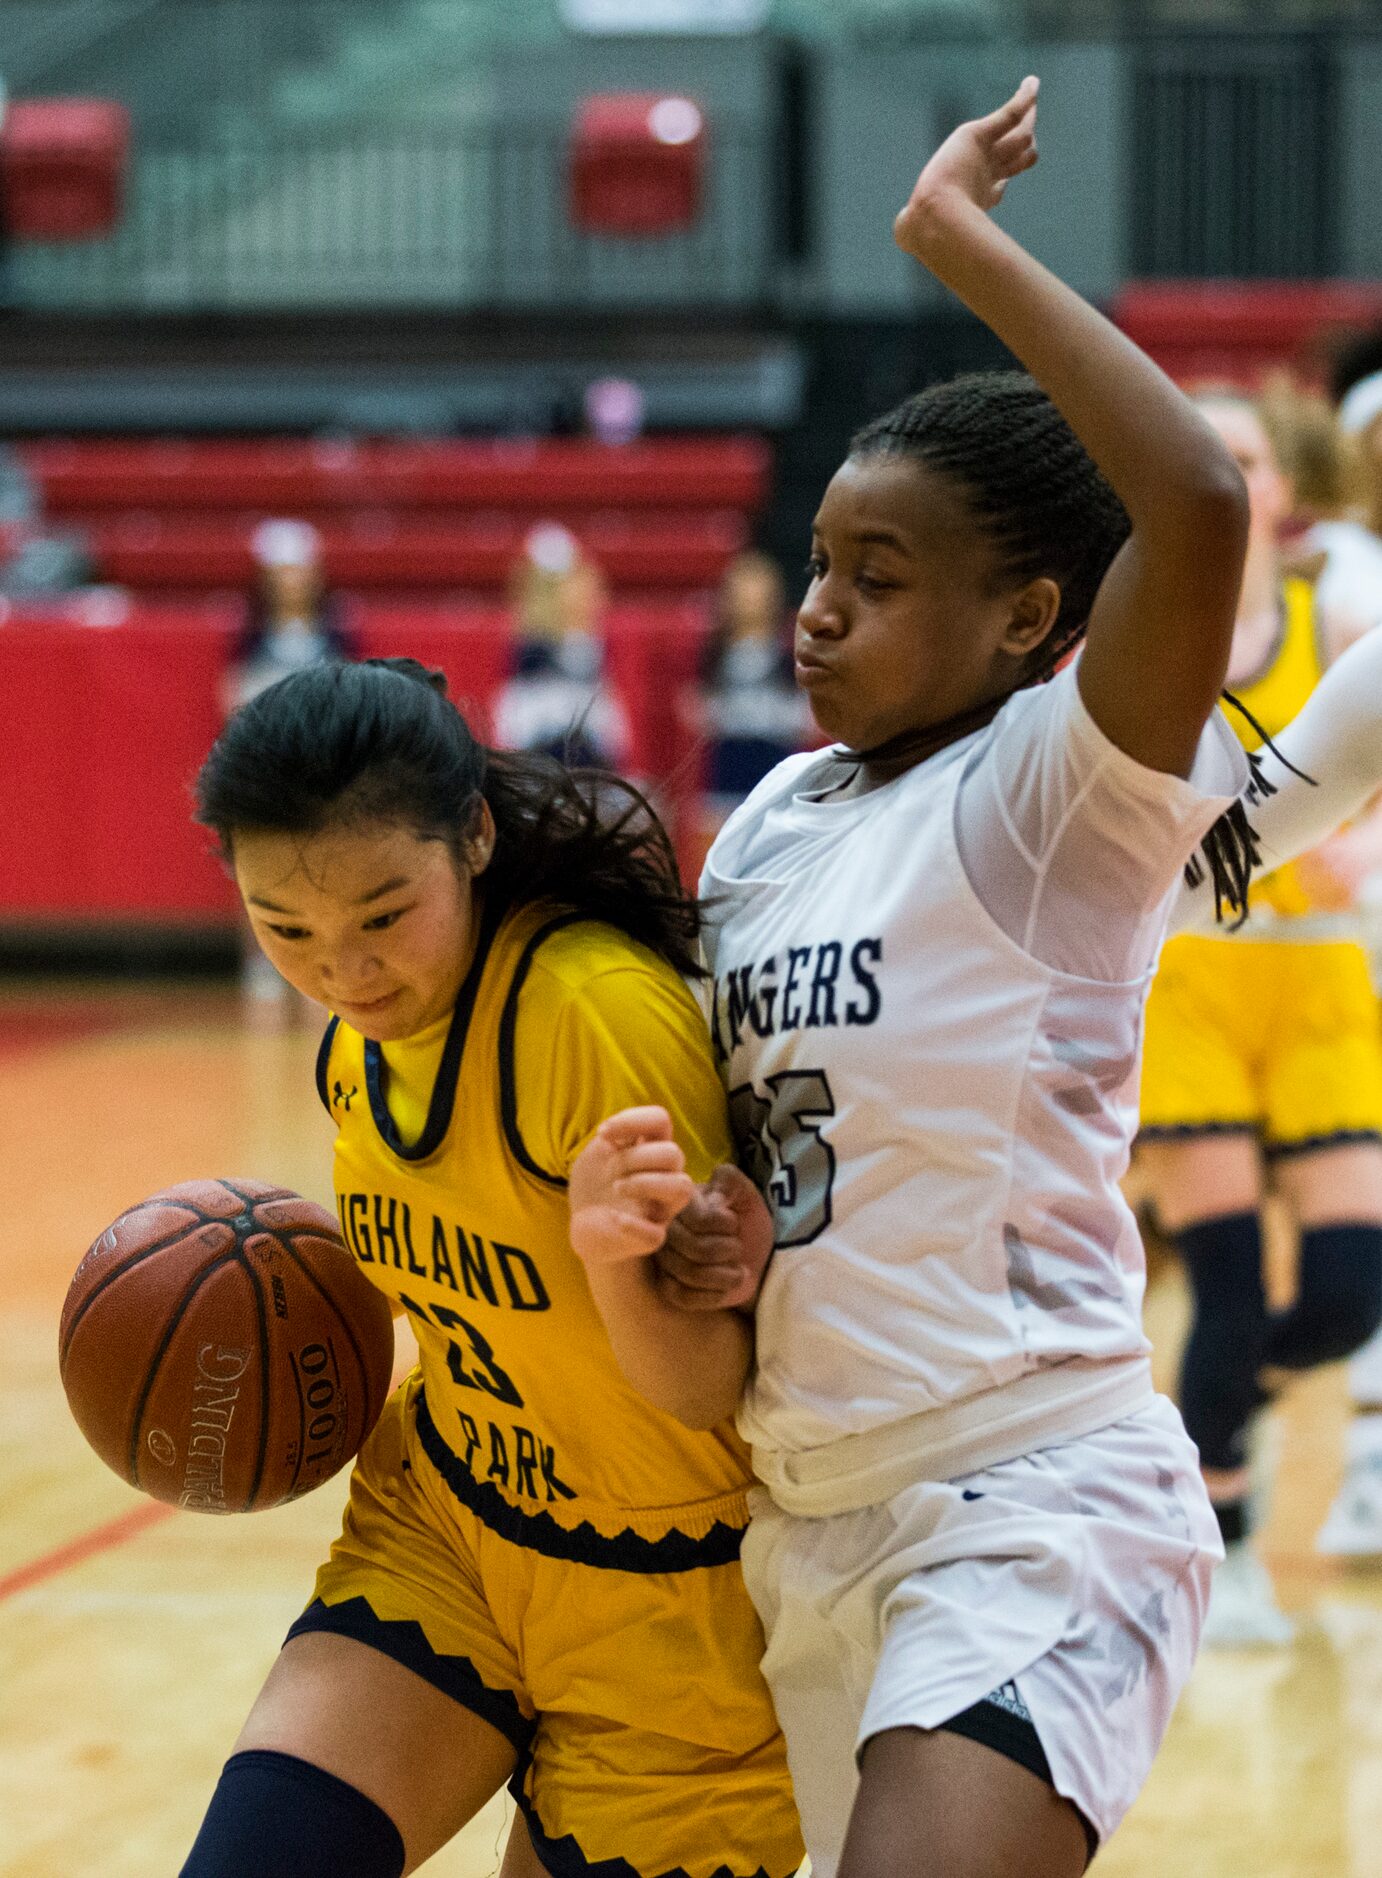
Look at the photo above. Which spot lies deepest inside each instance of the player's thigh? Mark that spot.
(346, 1707)
(520, 1860)
(1333, 1186)
(1204, 1176)
(938, 1805)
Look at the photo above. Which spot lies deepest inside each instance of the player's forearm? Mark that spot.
(1169, 468)
(1337, 742)
(691, 1366)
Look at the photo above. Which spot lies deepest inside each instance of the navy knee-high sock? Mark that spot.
(275, 1816)
(1219, 1389)
(1338, 1301)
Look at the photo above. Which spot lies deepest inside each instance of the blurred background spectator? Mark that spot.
(290, 619)
(37, 561)
(555, 697)
(290, 622)
(1352, 537)
(746, 708)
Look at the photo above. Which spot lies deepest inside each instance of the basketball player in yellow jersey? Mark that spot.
(1262, 1053)
(537, 1580)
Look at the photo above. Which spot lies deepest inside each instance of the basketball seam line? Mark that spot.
(128, 1264)
(156, 1361)
(257, 1291)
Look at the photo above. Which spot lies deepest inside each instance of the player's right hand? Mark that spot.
(975, 164)
(624, 1186)
(717, 1248)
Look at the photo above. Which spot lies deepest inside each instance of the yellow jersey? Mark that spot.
(1275, 696)
(453, 1149)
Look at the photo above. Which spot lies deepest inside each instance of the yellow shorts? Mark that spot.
(632, 1694)
(1278, 1037)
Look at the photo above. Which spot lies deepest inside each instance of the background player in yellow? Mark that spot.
(538, 1575)
(1262, 1051)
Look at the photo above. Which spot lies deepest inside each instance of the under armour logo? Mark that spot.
(343, 1096)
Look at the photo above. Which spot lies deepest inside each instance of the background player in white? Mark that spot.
(983, 1552)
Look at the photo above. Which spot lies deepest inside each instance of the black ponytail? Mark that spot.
(1048, 510)
(381, 742)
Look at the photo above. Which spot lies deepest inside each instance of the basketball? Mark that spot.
(220, 1349)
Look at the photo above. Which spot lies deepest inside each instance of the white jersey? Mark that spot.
(927, 1006)
(1350, 585)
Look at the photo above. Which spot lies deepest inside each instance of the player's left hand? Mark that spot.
(717, 1248)
(627, 1182)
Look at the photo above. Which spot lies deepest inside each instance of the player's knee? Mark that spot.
(1339, 1301)
(276, 1816)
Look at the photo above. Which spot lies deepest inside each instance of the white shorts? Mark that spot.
(1080, 1574)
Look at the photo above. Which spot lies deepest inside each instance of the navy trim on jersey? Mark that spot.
(1312, 1144)
(324, 1063)
(1187, 1131)
(582, 1545)
(564, 1858)
(443, 1102)
(1274, 1150)
(404, 1641)
(508, 1026)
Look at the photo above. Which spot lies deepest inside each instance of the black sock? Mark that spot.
(1338, 1301)
(1219, 1389)
(275, 1816)
(1232, 1516)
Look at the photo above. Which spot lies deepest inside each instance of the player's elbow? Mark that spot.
(1209, 501)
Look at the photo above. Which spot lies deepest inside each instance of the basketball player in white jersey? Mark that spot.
(982, 1549)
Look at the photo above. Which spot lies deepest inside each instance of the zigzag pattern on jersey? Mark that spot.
(403, 1640)
(627, 1551)
(565, 1858)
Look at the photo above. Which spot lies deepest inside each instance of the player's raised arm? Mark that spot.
(1161, 627)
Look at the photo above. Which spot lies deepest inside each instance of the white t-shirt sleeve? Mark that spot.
(1336, 741)
(1073, 847)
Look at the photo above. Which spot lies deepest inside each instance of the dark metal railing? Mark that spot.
(471, 217)
(1234, 157)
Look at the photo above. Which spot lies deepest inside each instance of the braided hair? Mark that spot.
(1048, 511)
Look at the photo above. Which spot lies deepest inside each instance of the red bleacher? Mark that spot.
(113, 703)
(109, 715)
(1236, 330)
(404, 516)
(385, 549)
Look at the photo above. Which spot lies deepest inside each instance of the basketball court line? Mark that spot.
(104, 1538)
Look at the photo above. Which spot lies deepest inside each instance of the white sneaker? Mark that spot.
(1353, 1527)
(1243, 1611)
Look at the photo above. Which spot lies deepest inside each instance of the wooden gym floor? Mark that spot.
(132, 1639)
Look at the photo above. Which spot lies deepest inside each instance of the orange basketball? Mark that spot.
(220, 1348)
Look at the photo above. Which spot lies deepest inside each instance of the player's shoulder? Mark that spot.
(792, 776)
(587, 961)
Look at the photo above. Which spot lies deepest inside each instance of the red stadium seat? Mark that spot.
(1236, 330)
(636, 164)
(563, 476)
(387, 551)
(62, 167)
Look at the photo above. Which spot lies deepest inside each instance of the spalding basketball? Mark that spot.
(221, 1349)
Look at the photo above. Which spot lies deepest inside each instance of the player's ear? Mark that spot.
(1034, 611)
(479, 843)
